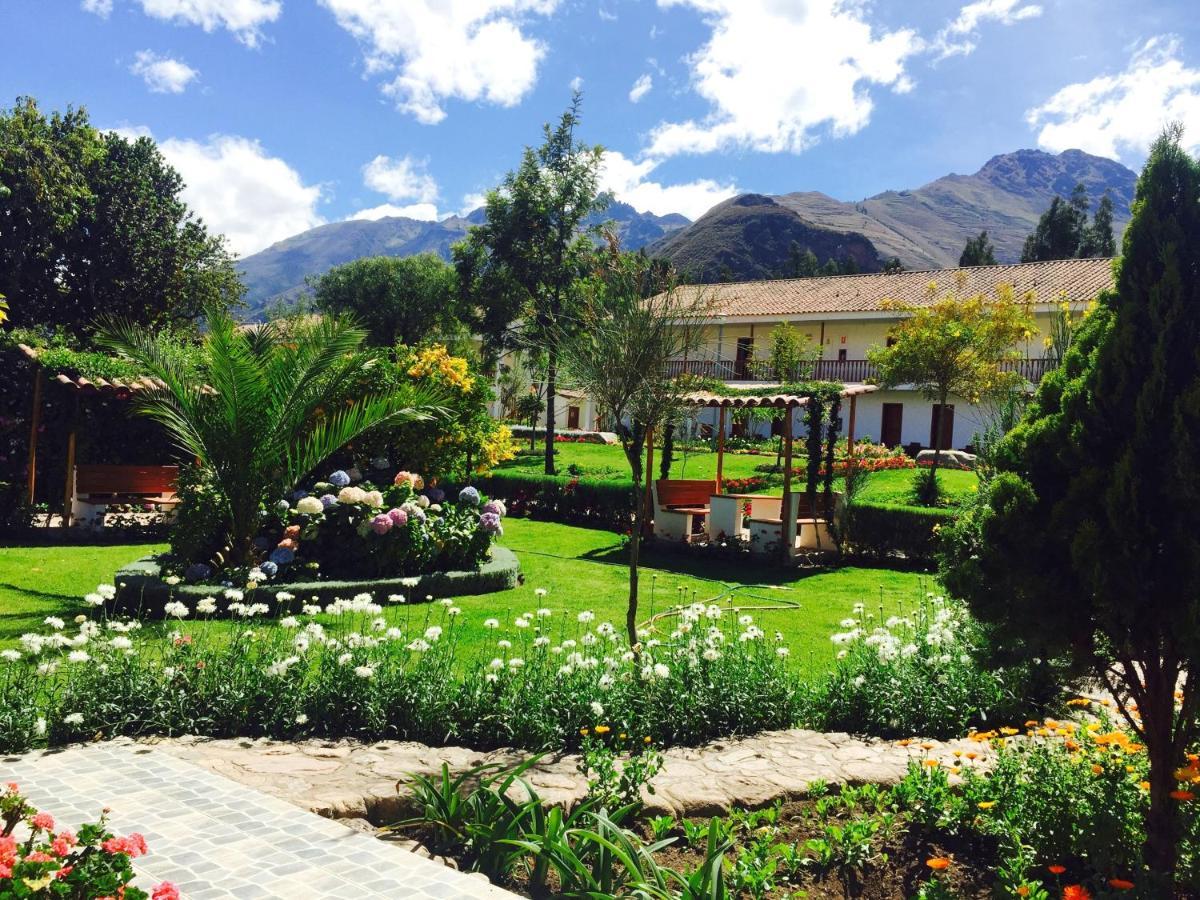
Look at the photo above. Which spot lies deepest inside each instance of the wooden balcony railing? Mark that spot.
(847, 371)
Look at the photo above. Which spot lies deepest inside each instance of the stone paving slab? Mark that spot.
(352, 780)
(220, 838)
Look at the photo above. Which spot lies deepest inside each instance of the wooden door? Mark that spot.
(741, 363)
(573, 417)
(892, 427)
(943, 418)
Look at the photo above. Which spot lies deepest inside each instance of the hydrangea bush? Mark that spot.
(351, 669)
(346, 527)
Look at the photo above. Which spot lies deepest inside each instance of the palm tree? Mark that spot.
(269, 404)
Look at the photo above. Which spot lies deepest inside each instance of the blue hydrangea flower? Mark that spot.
(197, 572)
(327, 500)
(339, 479)
(270, 569)
(493, 506)
(469, 496)
(282, 556)
(435, 494)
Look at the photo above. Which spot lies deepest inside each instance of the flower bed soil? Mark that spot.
(142, 591)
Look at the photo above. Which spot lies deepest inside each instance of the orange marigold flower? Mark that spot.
(932, 763)
(1120, 884)
(1076, 892)
(937, 863)
(1097, 769)
(972, 755)
(1184, 774)
(1056, 869)
(1023, 891)
(1144, 785)
(1183, 796)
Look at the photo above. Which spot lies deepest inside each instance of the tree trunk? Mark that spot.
(551, 377)
(635, 547)
(937, 436)
(1158, 725)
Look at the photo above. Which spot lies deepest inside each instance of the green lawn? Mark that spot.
(607, 461)
(580, 568)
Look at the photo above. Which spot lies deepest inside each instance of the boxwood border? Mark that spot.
(141, 590)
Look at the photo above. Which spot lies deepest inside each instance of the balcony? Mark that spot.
(846, 371)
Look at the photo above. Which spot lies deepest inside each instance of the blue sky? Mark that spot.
(283, 114)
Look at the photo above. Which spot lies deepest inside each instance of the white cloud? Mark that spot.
(1120, 115)
(440, 49)
(641, 88)
(472, 202)
(162, 74)
(400, 179)
(101, 8)
(254, 199)
(959, 37)
(131, 132)
(244, 18)
(426, 212)
(628, 181)
(577, 83)
(778, 72)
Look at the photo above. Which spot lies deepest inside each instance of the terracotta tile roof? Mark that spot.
(1076, 280)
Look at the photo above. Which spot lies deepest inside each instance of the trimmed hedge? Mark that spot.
(878, 529)
(562, 498)
(141, 591)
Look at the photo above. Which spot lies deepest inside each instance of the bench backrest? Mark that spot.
(804, 511)
(107, 479)
(679, 492)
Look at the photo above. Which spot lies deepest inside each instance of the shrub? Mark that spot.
(569, 499)
(881, 530)
(925, 673)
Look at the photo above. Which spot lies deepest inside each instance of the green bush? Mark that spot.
(884, 530)
(561, 498)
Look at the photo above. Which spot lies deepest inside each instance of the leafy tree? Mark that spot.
(1088, 541)
(979, 251)
(831, 267)
(893, 266)
(268, 409)
(92, 224)
(522, 389)
(407, 300)
(952, 346)
(532, 247)
(1098, 240)
(618, 354)
(1063, 231)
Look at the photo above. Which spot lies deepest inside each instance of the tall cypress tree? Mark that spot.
(1088, 540)
(979, 251)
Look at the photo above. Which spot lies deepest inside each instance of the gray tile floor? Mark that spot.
(215, 838)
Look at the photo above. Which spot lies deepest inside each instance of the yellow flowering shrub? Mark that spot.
(436, 362)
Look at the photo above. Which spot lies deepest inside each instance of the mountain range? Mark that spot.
(925, 228)
(758, 235)
(276, 274)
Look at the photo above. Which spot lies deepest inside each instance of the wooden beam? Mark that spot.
(35, 425)
(785, 550)
(648, 499)
(850, 433)
(69, 486)
(720, 449)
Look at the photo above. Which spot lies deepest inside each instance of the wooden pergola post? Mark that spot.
(720, 449)
(648, 499)
(850, 432)
(35, 426)
(785, 508)
(69, 485)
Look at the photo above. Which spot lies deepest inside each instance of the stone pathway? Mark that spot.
(217, 838)
(349, 780)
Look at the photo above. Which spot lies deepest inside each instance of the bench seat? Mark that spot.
(98, 486)
(677, 505)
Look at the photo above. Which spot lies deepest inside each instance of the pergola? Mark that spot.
(80, 388)
(785, 402)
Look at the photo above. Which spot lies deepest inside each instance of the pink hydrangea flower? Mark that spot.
(398, 516)
(381, 524)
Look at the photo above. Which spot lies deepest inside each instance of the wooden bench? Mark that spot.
(103, 485)
(677, 502)
(809, 529)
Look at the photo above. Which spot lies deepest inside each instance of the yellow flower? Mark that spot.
(602, 729)
(583, 731)
(987, 804)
